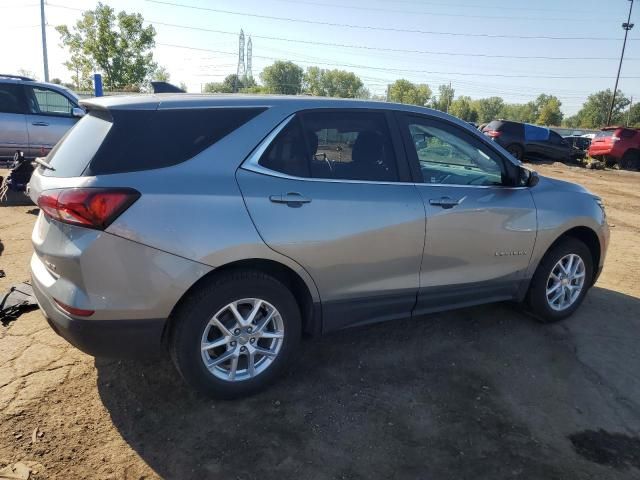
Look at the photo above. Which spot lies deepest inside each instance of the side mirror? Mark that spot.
(77, 112)
(533, 179)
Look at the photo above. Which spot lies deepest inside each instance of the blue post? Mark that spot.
(97, 84)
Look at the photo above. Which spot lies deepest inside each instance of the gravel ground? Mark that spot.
(482, 392)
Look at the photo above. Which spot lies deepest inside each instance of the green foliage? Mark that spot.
(489, 108)
(594, 111)
(403, 91)
(161, 75)
(464, 108)
(444, 99)
(332, 83)
(549, 112)
(633, 116)
(282, 77)
(23, 72)
(230, 84)
(118, 45)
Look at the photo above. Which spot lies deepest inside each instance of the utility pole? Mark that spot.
(448, 98)
(626, 26)
(44, 42)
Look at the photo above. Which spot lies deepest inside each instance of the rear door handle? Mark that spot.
(291, 199)
(444, 202)
(40, 124)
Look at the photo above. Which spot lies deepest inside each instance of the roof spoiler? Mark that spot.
(17, 77)
(165, 87)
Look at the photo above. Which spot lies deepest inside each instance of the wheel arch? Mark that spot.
(587, 236)
(310, 310)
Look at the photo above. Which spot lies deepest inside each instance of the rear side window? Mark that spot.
(11, 98)
(627, 133)
(335, 144)
(135, 140)
(288, 153)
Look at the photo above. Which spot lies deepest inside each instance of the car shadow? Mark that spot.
(482, 392)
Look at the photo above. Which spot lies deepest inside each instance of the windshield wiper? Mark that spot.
(40, 161)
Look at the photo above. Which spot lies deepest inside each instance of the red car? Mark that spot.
(617, 145)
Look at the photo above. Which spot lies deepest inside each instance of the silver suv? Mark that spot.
(222, 228)
(34, 115)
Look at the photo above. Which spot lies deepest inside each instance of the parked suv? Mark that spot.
(617, 145)
(524, 140)
(220, 228)
(34, 115)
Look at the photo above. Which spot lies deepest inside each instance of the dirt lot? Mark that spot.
(483, 392)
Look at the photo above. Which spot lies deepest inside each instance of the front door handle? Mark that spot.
(444, 202)
(40, 124)
(293, 199)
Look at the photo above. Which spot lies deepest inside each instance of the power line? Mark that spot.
(436, 14)
(370, 27)
(383, 49)
(413, 70)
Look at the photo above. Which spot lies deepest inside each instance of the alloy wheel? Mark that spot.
(565, 282)
(242, 339)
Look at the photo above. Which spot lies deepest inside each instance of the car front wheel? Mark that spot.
(561, 281)
(236, 335)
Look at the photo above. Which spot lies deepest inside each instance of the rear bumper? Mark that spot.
(138, 338)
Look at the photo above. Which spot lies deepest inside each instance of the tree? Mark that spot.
(282, 77)
(519, 112)
(23, 72)
(445, 98)
(489, 108)
(594, 111)
(549, 112)
(183, 86)
(232, 83)
(403, 91)
(633, 116)
(463, 108)
(332, 83)
(161, 75)
(119, 45)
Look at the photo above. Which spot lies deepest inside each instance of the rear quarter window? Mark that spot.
(121, 141)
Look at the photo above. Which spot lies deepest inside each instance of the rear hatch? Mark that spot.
(104, 164)
(603, 142)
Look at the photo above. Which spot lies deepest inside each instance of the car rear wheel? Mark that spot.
(561, 281)
(630, 160)
(236, 335)
(516, 151)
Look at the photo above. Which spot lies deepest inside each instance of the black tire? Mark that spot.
(192, 317)
(536, 297)
(630, 160)
(516, 150)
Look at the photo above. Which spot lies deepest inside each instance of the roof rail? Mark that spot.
(17, 77)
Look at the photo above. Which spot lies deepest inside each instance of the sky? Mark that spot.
(482, 47)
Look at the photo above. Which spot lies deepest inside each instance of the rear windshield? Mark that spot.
(506, 127)
(134, 140)
(605, 134)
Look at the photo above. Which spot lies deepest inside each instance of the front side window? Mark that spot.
(333, 144)
(11, 98)
(49, 102)
(449, 156)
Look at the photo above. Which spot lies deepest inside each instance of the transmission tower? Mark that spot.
(240, 74)
(249, 49)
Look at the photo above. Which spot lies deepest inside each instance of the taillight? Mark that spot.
(492, 133)
(88, 207)
(614, 139)
(78, 312)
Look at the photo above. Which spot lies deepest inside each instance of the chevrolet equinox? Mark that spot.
(220, 229)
